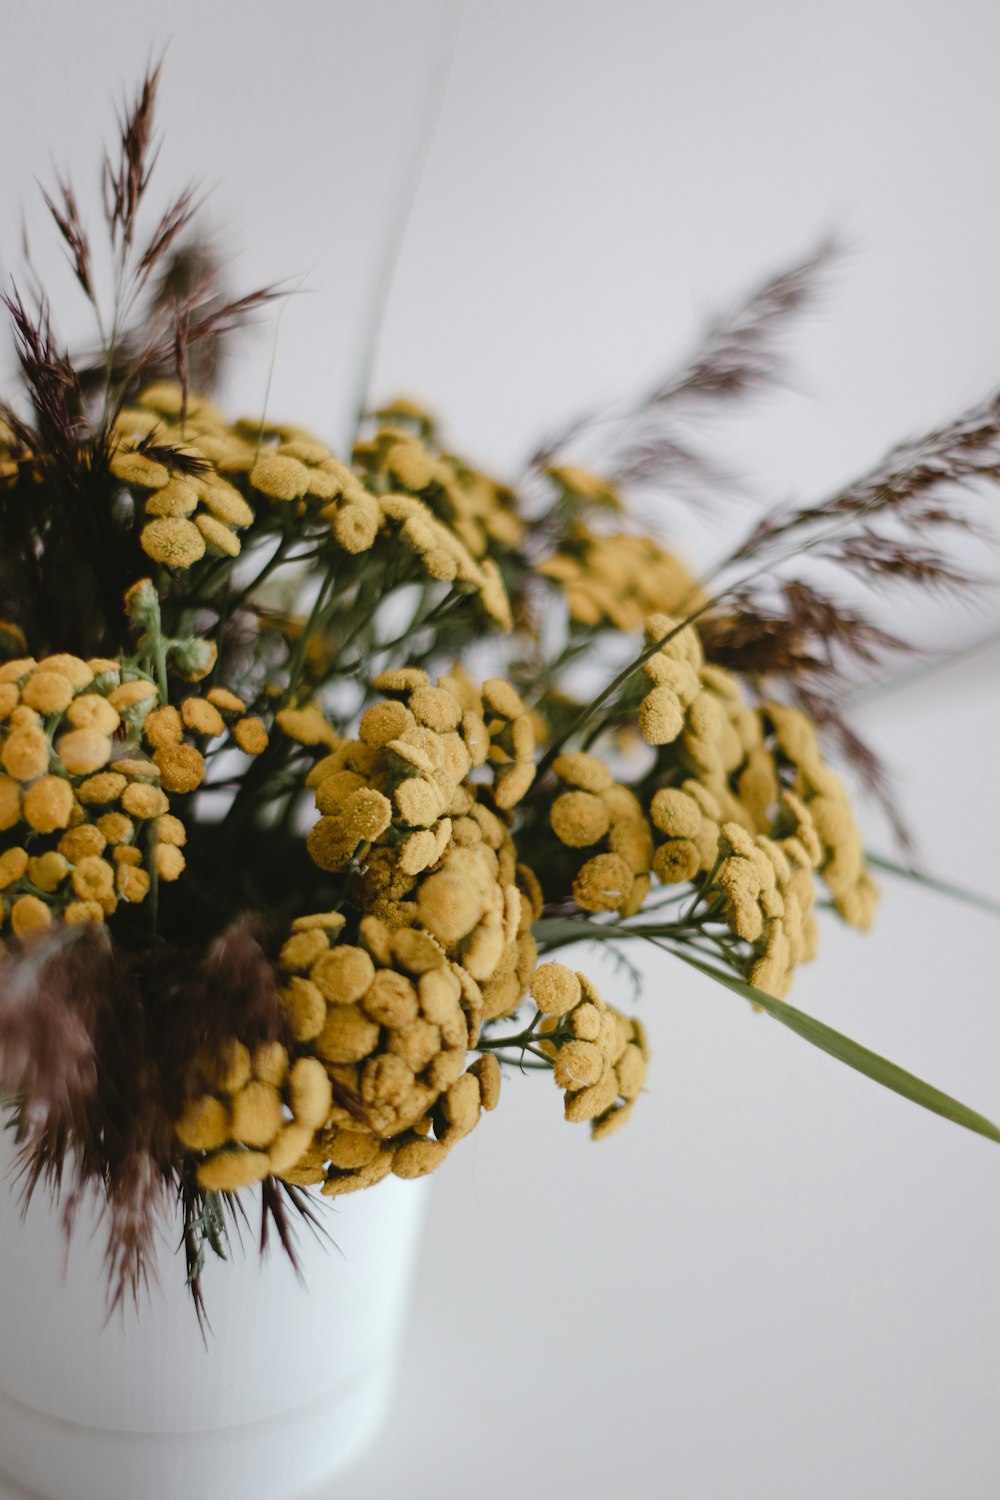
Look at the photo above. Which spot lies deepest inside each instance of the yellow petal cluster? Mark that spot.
(403, 456)
(248, 475)
(92, 824)
(252, 1114)
(443, 555)
(599, 1056)
(688, 817)
(189, 510)
(606, 821)
(431, 844)
(388, 1020)
(618, 579)
(770, 893)
(841, 862)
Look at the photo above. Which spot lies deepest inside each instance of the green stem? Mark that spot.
(297, 659)
(521, 1049)
(933, 883)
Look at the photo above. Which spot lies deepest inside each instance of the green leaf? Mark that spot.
(861, 1059)
(944, 887)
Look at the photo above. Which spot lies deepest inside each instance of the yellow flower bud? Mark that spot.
(383, 722)
(486, 1070)
(390, 999)
(279, 477)
(83, 911)
(587, 1103)
(448, 907)
(168, 860)
(83, 751)
(181, 767)
(555, 989)
(661, 717)
(289, 1146)
(577, 1065)
(25, 754)
(142, 800)
(310, 1092)
(417, 1158)
(81, 842)
(603, 883)
(77, 672)
(48, 692)
(48, 804)
(204, 1125)
(348, 1035)
(92, 711)
(220, 540)
(13, 863)
(172, 541)
(10, 803)
(306, 1008)
(342, 974)
(250, 735)
(225, 701)
(48, 871)
(579, 818)
(256, 1114)
(178, 497)
(132, 883)
(577, 768)
(228, 1171)
(202, 717)
(164, 728)
(170, 830)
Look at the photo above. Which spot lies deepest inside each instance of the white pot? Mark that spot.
(293, 1382)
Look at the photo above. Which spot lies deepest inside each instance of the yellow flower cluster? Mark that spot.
(736, 763)
(169, 730)
(399, 804)
(252, 1114)
(598, 814)
(281, 467)
(444, 556)
(599, 1055)
(93, 822)
(402, 456)
(381, 1028)
(617, 579)
(841, 860)
(688, 817)
(770, 892)
(580, 491)
(188, 509)
(675, 706)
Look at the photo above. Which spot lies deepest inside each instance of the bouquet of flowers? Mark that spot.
(314, 768)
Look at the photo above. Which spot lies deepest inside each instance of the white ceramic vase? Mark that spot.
(292, 1383)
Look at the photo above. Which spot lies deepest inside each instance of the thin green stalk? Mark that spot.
(298, 656)
(589, 710)
(934, 883)
(852, 1053)
(520, 1039)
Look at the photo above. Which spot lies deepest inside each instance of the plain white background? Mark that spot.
(779, 1281)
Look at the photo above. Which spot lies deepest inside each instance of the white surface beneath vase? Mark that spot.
(292, 1382)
